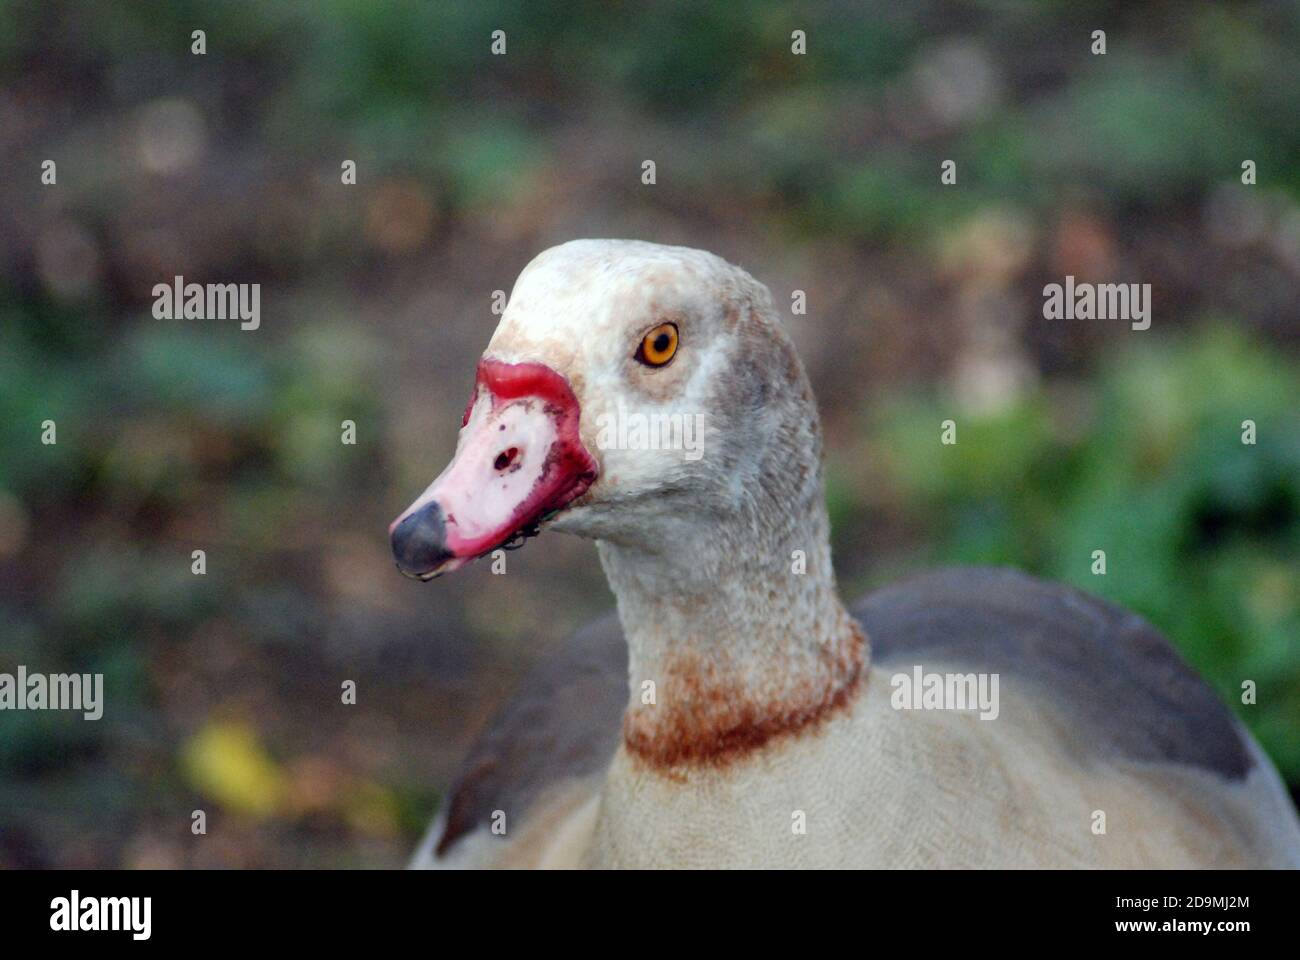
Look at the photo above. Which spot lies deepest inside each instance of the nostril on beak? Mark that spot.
(505, 458)
(420, 541)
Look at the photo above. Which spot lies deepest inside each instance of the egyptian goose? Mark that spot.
(761, 718)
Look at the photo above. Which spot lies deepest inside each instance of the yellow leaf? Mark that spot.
(227, 762)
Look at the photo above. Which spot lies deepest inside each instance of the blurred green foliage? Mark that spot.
(154, 424)
(1186, 91)
(1201, 531)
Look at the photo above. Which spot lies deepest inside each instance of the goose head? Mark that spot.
(632, 393)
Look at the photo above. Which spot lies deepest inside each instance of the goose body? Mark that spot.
(735, 713)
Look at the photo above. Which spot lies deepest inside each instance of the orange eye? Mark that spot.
(659, 345)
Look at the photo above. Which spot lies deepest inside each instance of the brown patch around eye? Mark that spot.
(659, 346)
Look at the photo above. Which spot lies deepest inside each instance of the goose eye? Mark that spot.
(658, 346)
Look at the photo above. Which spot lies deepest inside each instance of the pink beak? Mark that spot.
(519, 460)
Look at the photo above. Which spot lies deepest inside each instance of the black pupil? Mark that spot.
(661, 343)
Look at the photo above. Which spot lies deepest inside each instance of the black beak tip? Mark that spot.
(419, 542)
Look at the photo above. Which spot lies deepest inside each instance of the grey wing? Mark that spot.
(561, 723)
(1107, 671)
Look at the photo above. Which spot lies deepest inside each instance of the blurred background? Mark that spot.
(817, 172)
